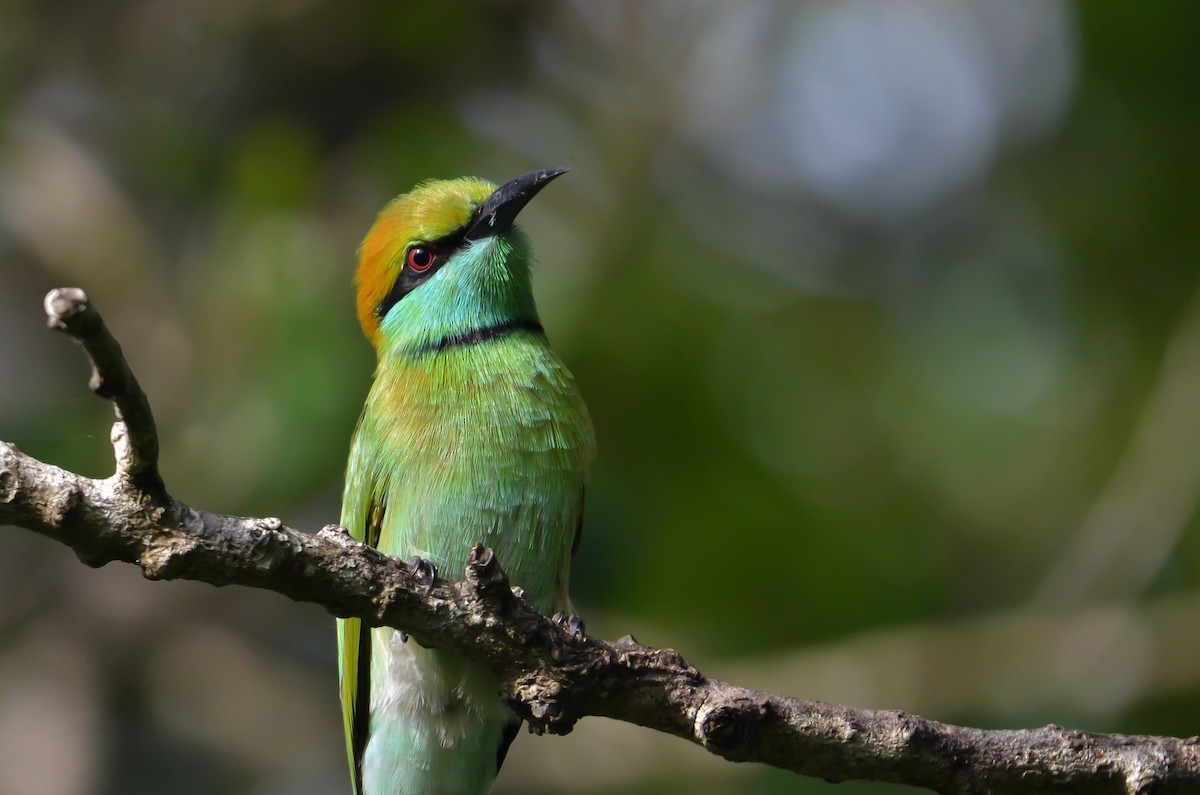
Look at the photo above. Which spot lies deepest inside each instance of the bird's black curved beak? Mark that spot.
(497, 214)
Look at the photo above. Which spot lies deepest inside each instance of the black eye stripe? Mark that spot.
(409, 279)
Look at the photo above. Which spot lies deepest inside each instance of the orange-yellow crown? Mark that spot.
(431, 210)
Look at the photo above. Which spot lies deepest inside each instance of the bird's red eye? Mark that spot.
(420, 258)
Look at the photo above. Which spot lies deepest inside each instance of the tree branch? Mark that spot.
(68, 310)
(549, 676)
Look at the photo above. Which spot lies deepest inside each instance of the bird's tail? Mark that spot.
(437, 726)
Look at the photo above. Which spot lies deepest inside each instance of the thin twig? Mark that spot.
(68, 310)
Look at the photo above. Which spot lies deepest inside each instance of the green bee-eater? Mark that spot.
(473, 431)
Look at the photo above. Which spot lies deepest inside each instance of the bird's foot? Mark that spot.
(572, 624)
(425, 569)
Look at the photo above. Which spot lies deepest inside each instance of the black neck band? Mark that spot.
(478, 335)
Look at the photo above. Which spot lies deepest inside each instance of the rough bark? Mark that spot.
(548, 673)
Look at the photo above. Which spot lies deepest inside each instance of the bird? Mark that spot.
(473, 431)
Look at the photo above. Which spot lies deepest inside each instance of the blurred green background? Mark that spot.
(886, 312)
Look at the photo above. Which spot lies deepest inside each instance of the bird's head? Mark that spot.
(445, 260)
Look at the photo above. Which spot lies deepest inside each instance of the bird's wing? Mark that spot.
(354, 662)
(561, 594)
(578, 539)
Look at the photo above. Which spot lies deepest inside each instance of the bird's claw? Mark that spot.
(573, 625)
(425, 569)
